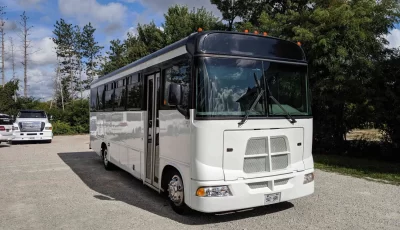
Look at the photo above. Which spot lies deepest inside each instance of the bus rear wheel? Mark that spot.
(176, 196)
(107, 164)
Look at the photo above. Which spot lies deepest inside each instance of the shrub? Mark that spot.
(62, 128)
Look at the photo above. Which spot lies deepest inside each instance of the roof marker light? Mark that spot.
(200, 30)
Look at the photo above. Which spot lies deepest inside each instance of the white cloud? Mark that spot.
(394, 38)
(161, 6)
(45, 53)
(10, 25)
(30, 2)
(40, 83)
(112, 14)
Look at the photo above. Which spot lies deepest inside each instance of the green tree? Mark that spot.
(91, 51)
(115, 57)
(180, 22)
(7, 100)
(151, 36)
(342, 41)
(65, 39)
(385, 91)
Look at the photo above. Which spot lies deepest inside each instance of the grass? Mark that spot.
(364, 134)
(375, 170)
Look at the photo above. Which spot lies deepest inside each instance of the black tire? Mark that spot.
(179, 205)
(107, 164)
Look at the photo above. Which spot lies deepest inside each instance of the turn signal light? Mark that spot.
(215, 191)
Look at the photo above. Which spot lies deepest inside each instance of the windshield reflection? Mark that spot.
(229, 87)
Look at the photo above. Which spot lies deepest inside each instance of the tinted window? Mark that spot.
(28, 114)
(230, 87)
(101, 98)
(120, 98)
(179, 74)
(93, 99)
(248, 45)
(109, 97)
(5, 120)
(134, 92)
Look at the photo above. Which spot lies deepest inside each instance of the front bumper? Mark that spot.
(244, 197)
(6, 138)
(33, 136)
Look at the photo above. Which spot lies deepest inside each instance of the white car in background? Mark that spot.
(32, 125)
(6, 128)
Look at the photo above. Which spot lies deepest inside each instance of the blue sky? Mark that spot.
(112, 18)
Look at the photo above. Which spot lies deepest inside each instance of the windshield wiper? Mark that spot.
(292, 120)
(244, 119)
(287, 113)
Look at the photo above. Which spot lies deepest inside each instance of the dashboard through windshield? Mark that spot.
(228, 87)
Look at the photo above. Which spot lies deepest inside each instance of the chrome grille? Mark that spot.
(281, 182)
(258, 156)
(279, 161)
(256, 146)
(257, 185)
(256, 164)
(278, 144)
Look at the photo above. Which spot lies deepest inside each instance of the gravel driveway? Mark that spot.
(63, 185)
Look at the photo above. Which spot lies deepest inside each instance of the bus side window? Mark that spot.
(179, 74)
(134, 93)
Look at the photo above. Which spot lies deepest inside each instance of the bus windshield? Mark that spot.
(230, 87)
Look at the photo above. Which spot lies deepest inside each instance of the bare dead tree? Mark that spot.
(2, 34)
(26, 45)
(12, 57)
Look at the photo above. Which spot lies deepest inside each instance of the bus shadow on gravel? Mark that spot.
(118, 185)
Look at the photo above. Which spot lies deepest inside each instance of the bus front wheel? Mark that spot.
(176, 195)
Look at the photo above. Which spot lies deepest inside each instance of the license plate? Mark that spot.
(32, 138)
(7, 130)
(272, 198)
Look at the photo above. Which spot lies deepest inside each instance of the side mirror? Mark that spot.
(12, 118)
(51, 117)
(175, 94)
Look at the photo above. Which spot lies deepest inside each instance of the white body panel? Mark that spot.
(6, 135)
(197, 149)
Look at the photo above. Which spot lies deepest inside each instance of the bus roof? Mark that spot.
(227, 43)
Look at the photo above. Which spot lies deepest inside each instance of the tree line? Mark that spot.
(354, 76)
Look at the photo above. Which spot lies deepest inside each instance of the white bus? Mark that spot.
(218, 121)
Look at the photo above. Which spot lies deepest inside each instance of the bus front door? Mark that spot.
(152, 159)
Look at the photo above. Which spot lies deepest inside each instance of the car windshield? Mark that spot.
(33, 114)
(228, 87)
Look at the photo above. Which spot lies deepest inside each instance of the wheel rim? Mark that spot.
(105, 157)
(175, 189)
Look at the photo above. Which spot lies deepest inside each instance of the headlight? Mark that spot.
(308, 178)
(218, 191)
(48, 128)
